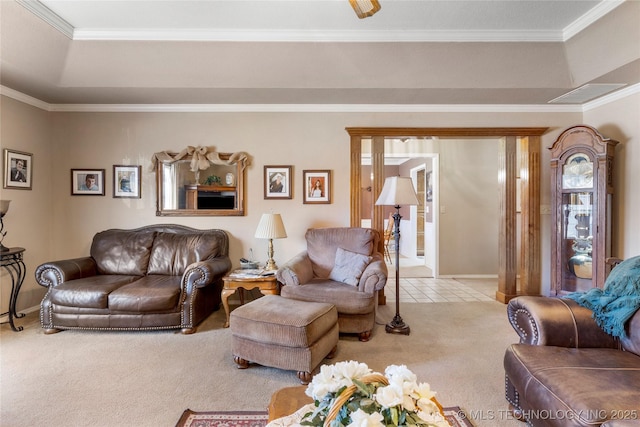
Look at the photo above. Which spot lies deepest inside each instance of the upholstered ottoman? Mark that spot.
(284, 333)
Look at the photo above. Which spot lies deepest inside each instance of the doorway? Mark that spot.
(528, 161)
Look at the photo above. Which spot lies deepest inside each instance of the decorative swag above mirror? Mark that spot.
(199, 181)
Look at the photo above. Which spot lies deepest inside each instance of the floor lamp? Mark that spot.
(395, 192)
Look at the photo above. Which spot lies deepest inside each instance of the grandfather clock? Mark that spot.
(581, 203)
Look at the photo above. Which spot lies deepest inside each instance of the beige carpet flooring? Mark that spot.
(117, 379)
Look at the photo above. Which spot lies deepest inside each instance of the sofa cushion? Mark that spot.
(172, 253)
(122, 251)
(588, 384)
(347, 299)
(349, 266)
(323, 243)
(89, 292)
(148, 294)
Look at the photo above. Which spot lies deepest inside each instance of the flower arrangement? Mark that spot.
(350, 394)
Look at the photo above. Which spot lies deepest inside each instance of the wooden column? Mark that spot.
(377, 167)
(377, 222)
(530, 263)
(356, 178)
(508, 255)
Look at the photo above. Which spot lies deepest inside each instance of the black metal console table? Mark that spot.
(11, 261)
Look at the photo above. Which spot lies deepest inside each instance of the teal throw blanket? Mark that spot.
(618, 301)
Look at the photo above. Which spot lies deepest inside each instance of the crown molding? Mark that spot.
(48, 16)
(615, 96)
(287, 108)
(249, 35)
(600, 10)
(345, 36)
(317, 108)
(26, 99)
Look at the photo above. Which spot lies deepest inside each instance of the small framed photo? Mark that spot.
(126, 181)
(317, 186)
(18, 169)
(278, 182)
(87, 182)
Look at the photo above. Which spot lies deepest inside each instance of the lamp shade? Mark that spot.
(397, 191)
(4, 206)
(271, 227)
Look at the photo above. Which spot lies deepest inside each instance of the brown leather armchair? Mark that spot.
(566, 371)
(154, 277)
(341, 266)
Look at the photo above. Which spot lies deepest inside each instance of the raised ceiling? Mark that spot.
(239, 52)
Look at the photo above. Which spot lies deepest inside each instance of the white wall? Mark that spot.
(469, 207)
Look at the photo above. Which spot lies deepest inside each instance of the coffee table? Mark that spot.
(286, 401)
(238, 281)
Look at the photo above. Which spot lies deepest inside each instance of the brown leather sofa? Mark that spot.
(566, 371)
(312, 275)
(154, 277)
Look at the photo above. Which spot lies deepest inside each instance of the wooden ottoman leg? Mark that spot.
(364, 336)
(332, 353)
(305, 377)
(242, 363)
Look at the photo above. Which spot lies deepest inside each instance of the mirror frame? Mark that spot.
(238, 210)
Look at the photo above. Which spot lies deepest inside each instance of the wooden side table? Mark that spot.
(268, 285)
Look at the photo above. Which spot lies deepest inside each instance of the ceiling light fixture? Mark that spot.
(365, 8)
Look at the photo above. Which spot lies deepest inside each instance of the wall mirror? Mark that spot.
(200, 184)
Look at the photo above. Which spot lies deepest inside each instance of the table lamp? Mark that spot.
(395, 192)
(271, 227)
(4, 207)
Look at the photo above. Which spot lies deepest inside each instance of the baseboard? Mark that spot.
(5, 318)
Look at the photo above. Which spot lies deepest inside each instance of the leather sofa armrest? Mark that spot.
(203, 273)
(556, 322)
(57, 272)
(297, 271)
(374, 277)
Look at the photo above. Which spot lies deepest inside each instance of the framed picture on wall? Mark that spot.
(317, 186)
(87, 182)
(278, 182)
(126, 181)
(429, 182)
(18, 169)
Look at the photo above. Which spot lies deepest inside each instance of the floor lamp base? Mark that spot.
(397, 326)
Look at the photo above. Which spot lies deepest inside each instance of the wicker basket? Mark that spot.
(348, 392)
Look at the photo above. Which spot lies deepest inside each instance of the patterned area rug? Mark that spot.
(189, 418)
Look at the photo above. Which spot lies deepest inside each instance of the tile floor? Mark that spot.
(442, 290)
(428, 290)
